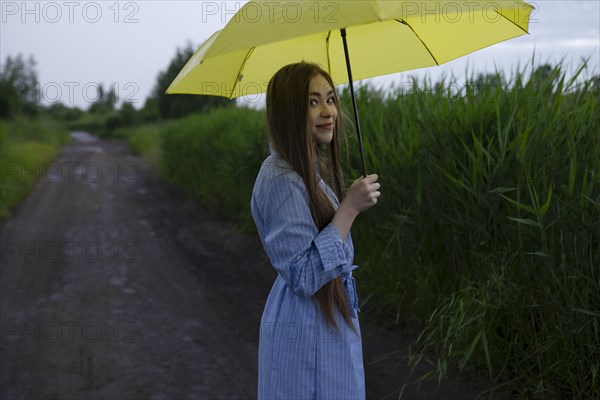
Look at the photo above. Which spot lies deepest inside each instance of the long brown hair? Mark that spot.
(287, 114)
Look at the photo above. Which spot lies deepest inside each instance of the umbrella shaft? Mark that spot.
(360, 145)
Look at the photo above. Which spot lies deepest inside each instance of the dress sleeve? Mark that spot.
(304, 257)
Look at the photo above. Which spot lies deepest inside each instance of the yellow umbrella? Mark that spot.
(381, 37)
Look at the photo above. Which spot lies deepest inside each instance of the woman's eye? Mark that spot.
(312, 102)
(331, 100)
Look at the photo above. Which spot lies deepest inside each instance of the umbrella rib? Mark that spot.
(327, 50)
(417, 35)
(240, 76)
(512, 22)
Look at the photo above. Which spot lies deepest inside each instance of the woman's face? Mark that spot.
(322, 111)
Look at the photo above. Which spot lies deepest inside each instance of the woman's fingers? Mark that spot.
(370, 178)
(365, 191)
(373, 184)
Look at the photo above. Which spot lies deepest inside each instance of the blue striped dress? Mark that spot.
(300, 356)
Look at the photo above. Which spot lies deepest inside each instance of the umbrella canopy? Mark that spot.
(383, 37)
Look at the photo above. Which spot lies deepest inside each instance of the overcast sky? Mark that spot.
(78, 44)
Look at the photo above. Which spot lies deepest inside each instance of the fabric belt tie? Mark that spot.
(350, 286)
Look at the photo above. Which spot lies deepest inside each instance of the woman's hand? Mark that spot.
(361, 196)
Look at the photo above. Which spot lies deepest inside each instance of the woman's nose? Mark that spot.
(326, 110)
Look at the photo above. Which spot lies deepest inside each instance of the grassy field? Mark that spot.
(486, 238)
(26, 146)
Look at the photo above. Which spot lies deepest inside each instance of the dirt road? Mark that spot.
(116, 286)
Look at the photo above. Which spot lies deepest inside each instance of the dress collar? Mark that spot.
(274, 153)
(272, 149)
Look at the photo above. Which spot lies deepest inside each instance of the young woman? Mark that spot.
(310, 345)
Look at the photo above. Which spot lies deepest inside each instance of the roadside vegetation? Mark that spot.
(29, 137)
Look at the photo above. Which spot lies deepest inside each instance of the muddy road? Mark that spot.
(116, 286)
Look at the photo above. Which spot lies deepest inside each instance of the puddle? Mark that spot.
(117, 281)
(89, 149)
(84, 137)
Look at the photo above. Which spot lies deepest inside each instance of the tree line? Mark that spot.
(20, 96)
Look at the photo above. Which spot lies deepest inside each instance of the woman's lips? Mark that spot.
(325, 126)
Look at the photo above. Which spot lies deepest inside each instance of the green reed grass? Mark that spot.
(488, 230)
(486, 238)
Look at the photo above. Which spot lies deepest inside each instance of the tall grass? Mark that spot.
(145, 140)
(486, 238)
(25, 146)
(488, 229)
(216, 158)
